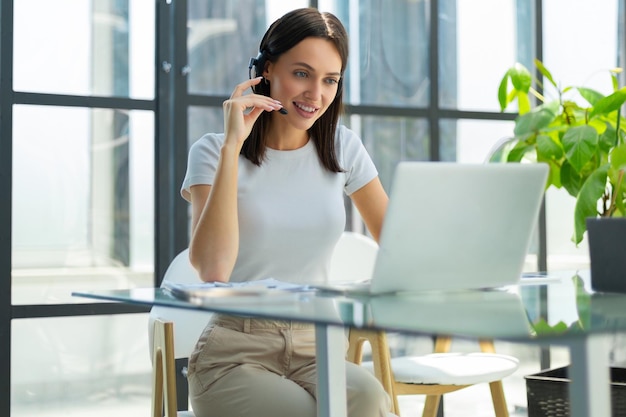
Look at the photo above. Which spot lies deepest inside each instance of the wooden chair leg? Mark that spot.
(164, 383)
(380, 359)
(431, 405)
(487, 346)
(157, 385)
(496, 387)
(499, 401)
(355, 348)
(442, 344)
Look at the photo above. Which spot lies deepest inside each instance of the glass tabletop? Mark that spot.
(541, 307)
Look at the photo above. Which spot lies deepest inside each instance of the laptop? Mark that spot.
(455, 226)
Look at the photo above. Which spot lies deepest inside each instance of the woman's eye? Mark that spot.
(332, 81)
(300, 74)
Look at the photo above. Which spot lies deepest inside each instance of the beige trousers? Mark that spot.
(244, 367)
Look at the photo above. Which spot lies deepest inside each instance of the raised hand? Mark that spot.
(242, 110)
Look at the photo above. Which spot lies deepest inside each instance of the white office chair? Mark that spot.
(432, 375)
(353, 258)
(173, 334)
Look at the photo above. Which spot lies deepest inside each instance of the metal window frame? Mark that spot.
(6, 161)
(9, 98)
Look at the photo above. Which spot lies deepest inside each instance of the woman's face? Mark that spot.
(305, 80)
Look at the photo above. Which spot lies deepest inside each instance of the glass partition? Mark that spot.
(223, 36)
(475, 139)
(80, 366)
(484, 52)
(99, 47)
(83, 200)
(203, 120)
(390, 140)
(388, 51)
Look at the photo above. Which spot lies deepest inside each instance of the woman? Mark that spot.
(267, 201)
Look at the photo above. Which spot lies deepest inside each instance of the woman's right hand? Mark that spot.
(242, 110)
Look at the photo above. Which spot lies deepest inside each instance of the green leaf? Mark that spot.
(620, 209)
(542, 327)
(502, 94)
(520, 77)
(580, 144)
(614, 79)
(592, 96)
(544, 71)
(587, 201)
(548, 149)
(571, 180)
(519, 151)
(554, 177)
(608, 138)
(583, 302)
(609, 103)
(536, 119)
(523, 102)
(618, 157)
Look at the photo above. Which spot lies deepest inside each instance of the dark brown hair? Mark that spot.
(282, 35)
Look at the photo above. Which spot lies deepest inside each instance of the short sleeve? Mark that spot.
(202, 162)
(355, 160)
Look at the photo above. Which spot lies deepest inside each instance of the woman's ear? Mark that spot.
(267, 70)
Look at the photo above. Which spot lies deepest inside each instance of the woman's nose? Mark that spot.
(315, 90)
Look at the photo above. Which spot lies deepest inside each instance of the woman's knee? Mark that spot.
(251, 391)
(366, 395)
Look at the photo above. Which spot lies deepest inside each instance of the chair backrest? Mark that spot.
(500, 150)
(188, 324)
(353, 258)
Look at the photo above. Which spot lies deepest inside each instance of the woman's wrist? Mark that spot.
(230, 149)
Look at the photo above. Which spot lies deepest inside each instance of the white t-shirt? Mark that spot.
(291, 209)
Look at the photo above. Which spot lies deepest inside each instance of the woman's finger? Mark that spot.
(242, 87)
(253, 101)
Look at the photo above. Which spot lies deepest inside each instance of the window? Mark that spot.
(80, 115)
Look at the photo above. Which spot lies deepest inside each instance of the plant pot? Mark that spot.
(607, 253)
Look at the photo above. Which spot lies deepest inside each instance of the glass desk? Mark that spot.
(558, 309)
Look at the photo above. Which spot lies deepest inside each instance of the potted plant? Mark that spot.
(580, 135)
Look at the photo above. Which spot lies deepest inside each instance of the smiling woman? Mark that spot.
(267, 200)
(306, 80)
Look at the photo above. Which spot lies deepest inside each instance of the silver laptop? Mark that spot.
(457, 226)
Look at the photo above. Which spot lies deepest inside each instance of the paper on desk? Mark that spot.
(266, 288)
(267, 283)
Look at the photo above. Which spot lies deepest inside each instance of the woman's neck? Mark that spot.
(283, 138)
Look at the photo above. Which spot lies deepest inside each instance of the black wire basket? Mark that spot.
(548, 393)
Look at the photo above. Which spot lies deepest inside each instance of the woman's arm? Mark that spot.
(214, 225)
(371, 200)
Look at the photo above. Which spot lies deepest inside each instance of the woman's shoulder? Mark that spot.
(206, 149)
(209, 141)
(347, 142)
(344, 135)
